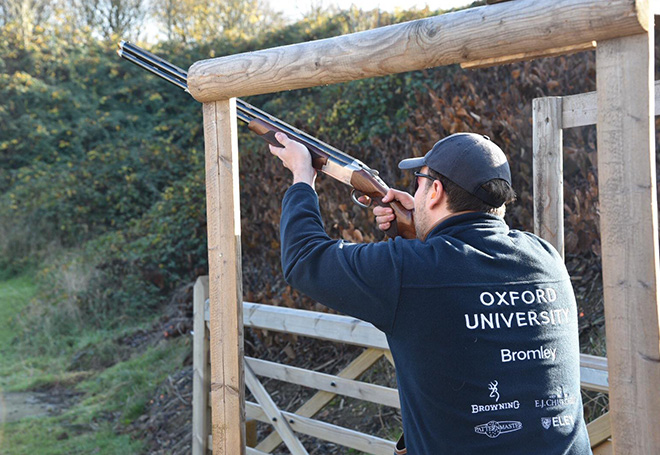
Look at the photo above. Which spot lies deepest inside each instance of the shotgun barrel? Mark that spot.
(325, 158)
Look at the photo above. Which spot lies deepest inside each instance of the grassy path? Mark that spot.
(99, 402)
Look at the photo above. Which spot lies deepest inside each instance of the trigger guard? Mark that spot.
(355, 199)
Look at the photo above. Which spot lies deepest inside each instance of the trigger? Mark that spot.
(356, 194)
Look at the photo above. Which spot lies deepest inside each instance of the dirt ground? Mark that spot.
(18, 405)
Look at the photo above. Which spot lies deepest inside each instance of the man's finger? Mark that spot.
(382, 211)
(282, 138)
(389, 197)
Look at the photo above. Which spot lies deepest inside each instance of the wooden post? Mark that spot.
(201, 370)
(548, 171)
(225, 280)
(629, 227)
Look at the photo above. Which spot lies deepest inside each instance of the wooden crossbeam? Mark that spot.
(253, 451)
(327, 432)
(582, 109)
(523, 56)
(323, 326)
(599, 430)
(327, 382)
(492, 31)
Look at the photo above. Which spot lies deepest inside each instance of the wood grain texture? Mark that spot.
(329, 383)
(506, 59)
(469, 35)
(629, 234)
(353, 370)
(225, 280)
(273, 415)
(328, 432)
(201, 369)
(548, 170)
(314, 324)
(600, 430)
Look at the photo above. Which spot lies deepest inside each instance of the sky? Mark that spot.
(295, 9)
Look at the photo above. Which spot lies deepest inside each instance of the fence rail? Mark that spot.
(335, 328)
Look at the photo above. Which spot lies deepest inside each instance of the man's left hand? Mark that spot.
(296, 158)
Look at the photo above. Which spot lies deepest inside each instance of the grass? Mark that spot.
(15, 294)
(109, 398)
(55, 436)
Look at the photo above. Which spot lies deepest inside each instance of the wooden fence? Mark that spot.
(335, 328)
(552, 115)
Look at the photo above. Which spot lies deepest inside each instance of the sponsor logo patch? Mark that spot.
(554, 400)
(495, 394)
(494, 429)
(557, 421)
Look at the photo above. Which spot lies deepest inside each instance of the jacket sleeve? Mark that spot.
(361, 280)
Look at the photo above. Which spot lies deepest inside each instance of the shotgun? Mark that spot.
(325, 158)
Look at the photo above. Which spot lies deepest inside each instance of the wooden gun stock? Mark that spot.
(354, 173)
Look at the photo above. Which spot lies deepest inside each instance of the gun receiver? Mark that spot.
(325, 158)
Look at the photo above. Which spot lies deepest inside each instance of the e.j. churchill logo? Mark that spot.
(493, 428)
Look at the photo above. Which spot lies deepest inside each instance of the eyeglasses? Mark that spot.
(421, 174)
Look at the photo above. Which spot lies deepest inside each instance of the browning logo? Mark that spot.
(493, 428)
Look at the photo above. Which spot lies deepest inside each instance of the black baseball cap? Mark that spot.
(467, 159)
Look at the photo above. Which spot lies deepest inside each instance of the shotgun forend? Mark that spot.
(325, 158)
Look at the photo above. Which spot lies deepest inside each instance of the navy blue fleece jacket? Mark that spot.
(481, 321)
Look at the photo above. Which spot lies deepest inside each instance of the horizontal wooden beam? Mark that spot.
(491, 31)
(253, 451)
(600, 430)
(332, 327)
(506, 59)
(326, 382)
(326, 431)
(593, 373)
(582, 109)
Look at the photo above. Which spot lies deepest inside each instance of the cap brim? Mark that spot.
(412, 163)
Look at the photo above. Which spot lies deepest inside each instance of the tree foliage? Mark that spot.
(205, 20)
(101, 158)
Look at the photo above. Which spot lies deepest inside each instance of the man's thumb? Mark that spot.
(282, 138)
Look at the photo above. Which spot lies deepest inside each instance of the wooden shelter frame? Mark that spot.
(492, 34)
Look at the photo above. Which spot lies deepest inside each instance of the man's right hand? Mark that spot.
(384, 215)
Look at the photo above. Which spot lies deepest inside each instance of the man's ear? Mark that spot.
(437, 193)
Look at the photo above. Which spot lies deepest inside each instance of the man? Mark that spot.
(481, 320)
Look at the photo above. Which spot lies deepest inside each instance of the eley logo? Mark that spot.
(493, 428)
(557, 421)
